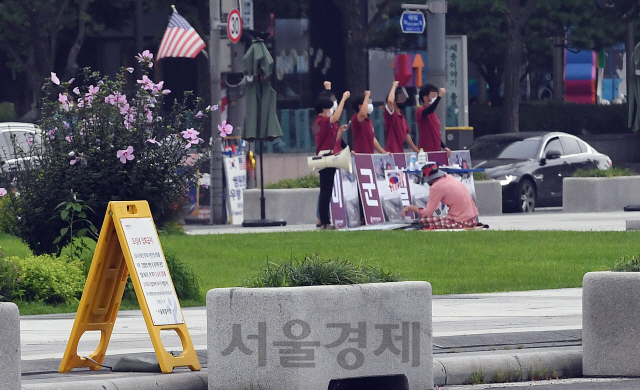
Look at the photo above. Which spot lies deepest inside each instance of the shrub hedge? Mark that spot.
(570, 118)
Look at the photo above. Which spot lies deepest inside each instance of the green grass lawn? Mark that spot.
(453, 262)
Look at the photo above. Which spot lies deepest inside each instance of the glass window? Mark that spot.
(583, 146)
(554, 144)
(506, 149)
(570, 145)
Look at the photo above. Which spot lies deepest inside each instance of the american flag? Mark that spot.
(180, 39)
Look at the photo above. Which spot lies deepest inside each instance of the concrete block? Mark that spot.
(9, 346)
(488, 197)
(611, 324)
(296, 206)
(633, 224)
(304, 337)
(585, 194)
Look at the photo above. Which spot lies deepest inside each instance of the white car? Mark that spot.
(16, 142)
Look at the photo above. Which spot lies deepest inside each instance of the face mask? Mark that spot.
(331, 111)
(370, 108)
(432, 100)
(335, 106)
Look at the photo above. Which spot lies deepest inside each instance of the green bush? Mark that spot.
(49, 279)
(480, 176)
(109, 146)
(613, 172)
(9, 279)
(309, 181)
(549, 116)
(626, 264)
(313, 271)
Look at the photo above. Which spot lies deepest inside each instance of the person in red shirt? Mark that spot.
(428, 123)
(447, 190)
(328, 137)
(364, 140)
(396, 128)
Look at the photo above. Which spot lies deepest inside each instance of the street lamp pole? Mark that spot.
(436, 61)
(216, 213)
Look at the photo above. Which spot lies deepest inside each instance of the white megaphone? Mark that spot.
(326, 160)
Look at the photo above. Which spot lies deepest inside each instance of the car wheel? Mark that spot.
(526, 196)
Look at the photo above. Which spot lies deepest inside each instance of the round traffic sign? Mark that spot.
(234, 26)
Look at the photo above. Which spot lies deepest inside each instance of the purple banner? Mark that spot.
(366, 173)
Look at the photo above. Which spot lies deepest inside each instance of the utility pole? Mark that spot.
(436, 53)
(436, 61)
(216, 213)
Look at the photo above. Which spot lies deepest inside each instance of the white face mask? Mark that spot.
(331, 111)
(335, 105)
(432, 100)
(369, 108)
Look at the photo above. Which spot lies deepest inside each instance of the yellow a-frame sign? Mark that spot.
(129, 244)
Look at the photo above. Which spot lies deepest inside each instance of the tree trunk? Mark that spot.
(558, 69)
(515, 19)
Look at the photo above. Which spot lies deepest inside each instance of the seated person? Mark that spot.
(446, 189)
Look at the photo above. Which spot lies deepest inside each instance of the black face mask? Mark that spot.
(402, 105)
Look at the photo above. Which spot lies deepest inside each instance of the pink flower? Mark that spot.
(130, 70)
(148, 84)
(76, 90)
(225, 129)
(64, 101)
(52, 133)
(30, 140)
(3, 191)
(153, 141)
(93, 90)
(125, 154)
(215, 107)
(69, 138)
(145, 56)
(55, 79)
(199, 114)
(190, 133)
(72, 80)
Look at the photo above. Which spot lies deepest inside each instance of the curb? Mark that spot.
(490, 368)
(460, 370)
(182, 381)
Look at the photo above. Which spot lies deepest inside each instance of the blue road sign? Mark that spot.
(412, 22)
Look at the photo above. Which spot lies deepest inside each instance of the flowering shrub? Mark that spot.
(106, 140)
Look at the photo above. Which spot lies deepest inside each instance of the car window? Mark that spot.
(554, 144)
(20, 141)
(505, 149)
(570, 145)
(583, 146)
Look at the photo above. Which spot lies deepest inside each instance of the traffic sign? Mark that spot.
(234, 26)
(412, 22)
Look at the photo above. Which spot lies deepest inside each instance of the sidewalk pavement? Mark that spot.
(509, 335)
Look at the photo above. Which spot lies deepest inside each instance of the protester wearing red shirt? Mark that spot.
(395, 124)
(428, 123)
(328, 135)
(446, 189)
(364, 140)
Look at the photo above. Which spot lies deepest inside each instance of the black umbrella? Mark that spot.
(261, 122)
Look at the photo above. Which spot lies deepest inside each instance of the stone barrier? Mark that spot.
(585, 194)
(296, 206)
(610, 318)
(488, 197)
(315, 337)
(9, 346)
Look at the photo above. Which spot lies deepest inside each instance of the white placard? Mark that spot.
(153, 273)
(236, 173)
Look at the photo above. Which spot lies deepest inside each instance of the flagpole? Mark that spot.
(215, 168)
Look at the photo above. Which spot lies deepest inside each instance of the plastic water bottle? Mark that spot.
(412, 162)
(422, 158)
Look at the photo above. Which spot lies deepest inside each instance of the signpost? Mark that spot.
(129, 246)
(234, 26)
(412, 22)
